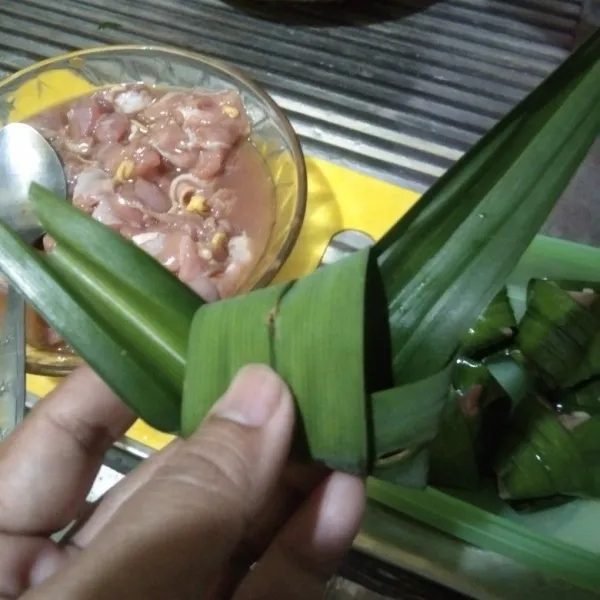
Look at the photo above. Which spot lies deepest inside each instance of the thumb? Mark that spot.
(172, 535)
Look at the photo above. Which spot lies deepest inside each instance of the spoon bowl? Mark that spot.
(26, 157)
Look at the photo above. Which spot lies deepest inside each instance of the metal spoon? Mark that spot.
(25, 157)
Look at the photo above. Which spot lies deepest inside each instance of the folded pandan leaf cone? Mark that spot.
(473, 422)
(557, 332)
(545, 454)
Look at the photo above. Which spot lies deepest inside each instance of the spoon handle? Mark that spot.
(12, 363)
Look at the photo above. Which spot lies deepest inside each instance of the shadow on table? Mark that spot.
(333, 12)
(559, 28)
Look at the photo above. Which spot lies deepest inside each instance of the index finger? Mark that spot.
(49, 463)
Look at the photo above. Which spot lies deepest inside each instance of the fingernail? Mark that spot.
(252, 398)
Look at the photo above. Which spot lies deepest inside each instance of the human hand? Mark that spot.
(189, 522)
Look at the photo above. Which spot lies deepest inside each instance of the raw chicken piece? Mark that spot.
(228, 98)
(126, 206)
(163, 182)
(222, 134)
(83, 117)
(81, 148)
(188, 224)
(112, 128)
(104, 213)
(210, 163)
(240, 255)
(91, 185)
(169, 255)
(151, 242)
(171, 141)
(129, 231)
(165, 107)
(193, 271)
(152, 196)
(196, 131)
(204, 287)
(190, 263)
(208, 109)
(222, 203)
(146, 160)
(111, 155)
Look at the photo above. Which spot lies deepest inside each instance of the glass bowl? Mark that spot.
(59, 79)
